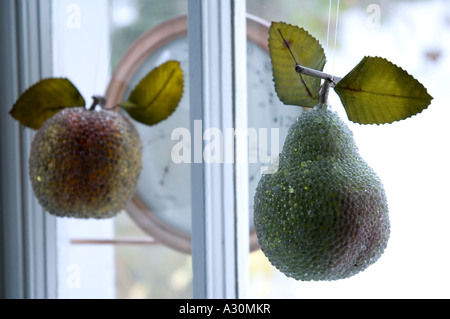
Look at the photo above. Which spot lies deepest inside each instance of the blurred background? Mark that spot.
(411, 156)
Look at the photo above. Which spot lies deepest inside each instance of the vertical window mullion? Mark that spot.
(241, 188)
(220, 233)
(28, 252)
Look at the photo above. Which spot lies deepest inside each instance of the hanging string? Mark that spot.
(105, 42)
(326, 85)
(328, 27)
(335, 32)
(335, 35)
(112, 30)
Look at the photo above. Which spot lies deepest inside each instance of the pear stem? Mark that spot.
(324, 90)
(329, 80)
(317, 74)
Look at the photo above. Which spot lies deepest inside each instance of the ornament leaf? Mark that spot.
(377, 91)
(43, 100)
(157, 95)
(291, 45)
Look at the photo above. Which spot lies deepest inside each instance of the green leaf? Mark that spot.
(43, 100)
(377, 91)
(157, 95)
(290, 45)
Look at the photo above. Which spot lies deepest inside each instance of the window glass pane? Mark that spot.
(154, 271)
(410, 156)
(81, 54)
(111, 258)
(149, 271)
(132, 18)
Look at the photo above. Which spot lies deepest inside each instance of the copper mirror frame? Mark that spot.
(137, 54)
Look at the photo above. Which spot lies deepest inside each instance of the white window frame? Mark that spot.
(218, 98)
(28, 245)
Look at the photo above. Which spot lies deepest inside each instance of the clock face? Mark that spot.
(164, 189)
(164, 186)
